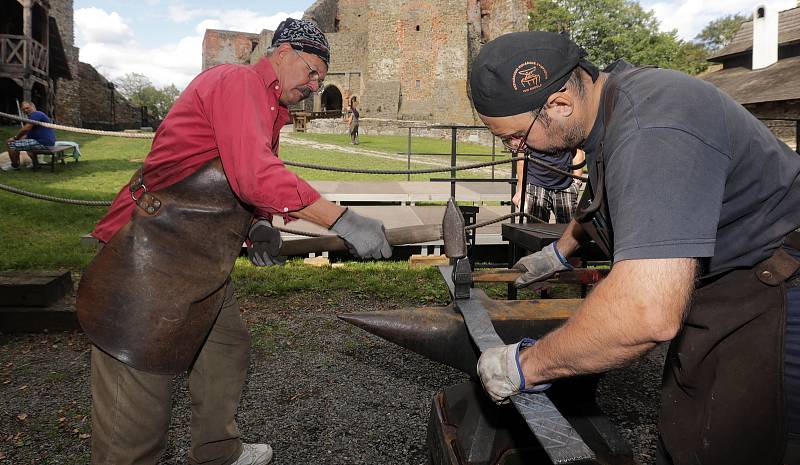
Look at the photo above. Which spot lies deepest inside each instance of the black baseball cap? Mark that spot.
(303, 35)
(517, 72)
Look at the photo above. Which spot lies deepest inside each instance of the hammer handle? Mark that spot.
(395, 236)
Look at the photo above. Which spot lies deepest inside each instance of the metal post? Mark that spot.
(408, 176)
(797, 136)
(453, 163)
(493, 153)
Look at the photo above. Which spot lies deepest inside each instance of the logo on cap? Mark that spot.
(529, 76)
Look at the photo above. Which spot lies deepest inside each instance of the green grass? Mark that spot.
(38, 234)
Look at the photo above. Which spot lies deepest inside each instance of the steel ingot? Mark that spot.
(439, 333)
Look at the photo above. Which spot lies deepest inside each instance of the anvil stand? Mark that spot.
(465, 428)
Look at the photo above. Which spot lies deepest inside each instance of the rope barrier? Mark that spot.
(50, 198)
(97, 132)
(422, 171)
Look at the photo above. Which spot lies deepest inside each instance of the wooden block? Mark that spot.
(33, 289)
(428, 260)
(318, 262)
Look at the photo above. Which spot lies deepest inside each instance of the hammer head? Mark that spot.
(453, 235)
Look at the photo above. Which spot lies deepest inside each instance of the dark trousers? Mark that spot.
(131, 408)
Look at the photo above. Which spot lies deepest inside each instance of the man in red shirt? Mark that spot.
(157, 299)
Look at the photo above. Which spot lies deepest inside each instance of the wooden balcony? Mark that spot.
(17, 55)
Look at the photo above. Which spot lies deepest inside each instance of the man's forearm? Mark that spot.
(571, 239)
(322, 212)
(639, 304)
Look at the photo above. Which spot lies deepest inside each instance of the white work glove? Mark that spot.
(501, 374)
(365, 237)
(540, 265)
(265, 242)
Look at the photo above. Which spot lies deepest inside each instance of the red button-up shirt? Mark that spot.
(231, 112)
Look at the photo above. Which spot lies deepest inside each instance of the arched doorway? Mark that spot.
(331, 99)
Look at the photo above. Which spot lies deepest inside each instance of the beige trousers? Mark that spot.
(131, 408)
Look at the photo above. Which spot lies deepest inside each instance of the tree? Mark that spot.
(612, 29)
(141, 92)
(132, 84)
(718, 33)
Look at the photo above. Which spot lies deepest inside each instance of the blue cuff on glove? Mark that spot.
(560, 257)
(527, 342)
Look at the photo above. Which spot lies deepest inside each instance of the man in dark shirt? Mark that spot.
(697, 204)
(548, 190)
(30, 136)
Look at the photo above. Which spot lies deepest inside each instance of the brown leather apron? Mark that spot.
(722, 394)
(151, 295)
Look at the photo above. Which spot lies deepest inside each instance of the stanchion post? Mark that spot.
(453, 162)
(408, 176)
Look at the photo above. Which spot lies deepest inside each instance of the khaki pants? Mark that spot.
(131, 408)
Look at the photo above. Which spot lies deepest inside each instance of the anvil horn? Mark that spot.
(439, 333)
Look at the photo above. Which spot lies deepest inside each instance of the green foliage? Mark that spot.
(719, 32)
(613, 29)
(141, 92)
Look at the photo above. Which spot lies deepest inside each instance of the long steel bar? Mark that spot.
(558, 438)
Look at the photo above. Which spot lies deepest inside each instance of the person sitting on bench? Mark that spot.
(31, 136)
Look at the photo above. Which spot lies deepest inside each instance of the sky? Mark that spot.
(162, 39)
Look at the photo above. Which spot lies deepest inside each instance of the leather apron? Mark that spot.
(150, 297)
(722, 392)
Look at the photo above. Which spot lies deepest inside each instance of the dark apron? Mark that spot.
(151, 295)
(722, 396)
(722, 392)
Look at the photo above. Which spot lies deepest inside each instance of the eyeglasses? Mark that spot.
(508, 141)
(313, 74)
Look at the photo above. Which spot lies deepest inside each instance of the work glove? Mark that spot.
(365, 237)
(265, 243)
(540, 265)
(501, 374)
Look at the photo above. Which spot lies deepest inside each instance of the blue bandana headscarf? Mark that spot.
(304, 36)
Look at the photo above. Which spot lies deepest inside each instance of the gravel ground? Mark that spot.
(319, 390)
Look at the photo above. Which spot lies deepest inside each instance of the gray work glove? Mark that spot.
(365, 237)
(265, 242)
(540, 265)
(501, 374)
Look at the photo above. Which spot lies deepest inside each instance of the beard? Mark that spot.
(563, 138)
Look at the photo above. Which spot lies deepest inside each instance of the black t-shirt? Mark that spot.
(691, 173)
(543, 177)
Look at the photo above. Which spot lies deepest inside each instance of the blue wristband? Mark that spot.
(527, 342)
(561, 257)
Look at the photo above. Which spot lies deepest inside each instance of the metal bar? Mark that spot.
(576, 276)
(510, 180)
(408, 176)
(558, 438)
(493, 153)
(797, 136)
(448, 154)
(453, 161)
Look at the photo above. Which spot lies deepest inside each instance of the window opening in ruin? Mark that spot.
(417, 27)
(417, 83)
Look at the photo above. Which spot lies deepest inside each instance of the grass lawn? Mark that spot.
(43, 235)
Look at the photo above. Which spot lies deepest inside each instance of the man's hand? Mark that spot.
(501, 374)
(517, 196)
(265, 243)
(540, 265)
(365, 237)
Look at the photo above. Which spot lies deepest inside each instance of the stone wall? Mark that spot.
(384, 127)
(227, 47)
(264, 42)
(96, 106)
(67, 91)
(323, 12)
(774, 114)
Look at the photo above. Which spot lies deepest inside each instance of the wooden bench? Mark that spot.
(56, 153)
